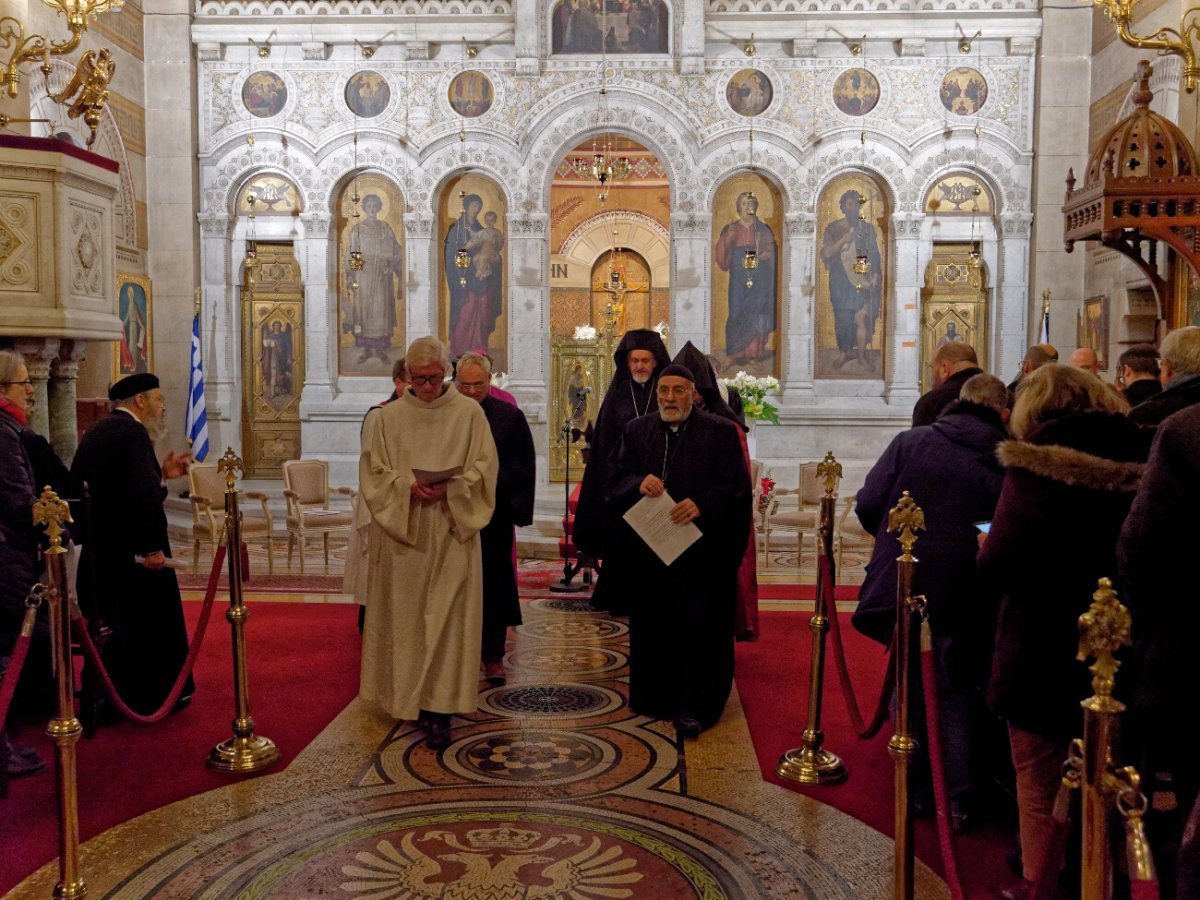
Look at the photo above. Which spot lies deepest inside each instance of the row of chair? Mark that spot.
(803, 516)
(306, 492)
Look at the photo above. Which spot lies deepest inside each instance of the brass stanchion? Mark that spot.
(1103, 629)
(64, 729)
(906, 517)
(245, 751)
(810, 763)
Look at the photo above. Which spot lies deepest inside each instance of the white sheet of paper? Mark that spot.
(650, 517)
(428, 478)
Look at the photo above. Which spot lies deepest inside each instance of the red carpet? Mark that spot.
(268, 584)
(772, 681)
(303, 670)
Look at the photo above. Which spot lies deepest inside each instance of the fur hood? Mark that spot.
(1070, 466)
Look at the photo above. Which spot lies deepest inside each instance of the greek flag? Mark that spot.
(1045, 332)
(197, 418)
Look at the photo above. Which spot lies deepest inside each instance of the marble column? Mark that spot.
(63, 418)
(312, 254)
(529, 311)
(796, 339)
(422, 288)
(903, 376)
(691, 311)
(39, 353)
(219, 330)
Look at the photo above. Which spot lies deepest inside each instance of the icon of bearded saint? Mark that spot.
(492, 861)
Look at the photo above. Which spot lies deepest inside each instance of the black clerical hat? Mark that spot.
(679, 371)
(132, 385)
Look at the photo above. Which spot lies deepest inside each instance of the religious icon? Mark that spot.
(264, 94)
(367, 94)
(1095, 332)
(749, 92)
(577, 394)
(473, 283)
(852, 216)
(629, 26)
(276, 360)
(471, 94)
(133, 354)
(856, 92)
(964, 91)
(746, 295)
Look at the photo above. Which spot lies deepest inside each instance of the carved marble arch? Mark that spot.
(274, 195)
(958, 192)
(991, 164)
(109, 143)
(234, 201)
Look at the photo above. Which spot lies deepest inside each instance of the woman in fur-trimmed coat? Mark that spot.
(1069, 480)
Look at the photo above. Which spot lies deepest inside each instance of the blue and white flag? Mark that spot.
(1044, 334)
(197, 418)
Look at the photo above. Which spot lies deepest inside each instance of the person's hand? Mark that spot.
(651, 486)
(429, 493)
(176, 464)
(155, 560)
(980, 538)
(684, 511)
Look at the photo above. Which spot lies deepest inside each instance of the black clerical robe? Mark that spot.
(149, 642)
(682, 618)
(515, 486)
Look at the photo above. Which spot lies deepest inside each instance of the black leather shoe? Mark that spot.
(439, 732)
(688, 726)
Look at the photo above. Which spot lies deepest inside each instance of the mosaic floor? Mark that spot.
(553, 788)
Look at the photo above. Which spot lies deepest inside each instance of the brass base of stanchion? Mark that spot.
(805, 766)
(73, 891)
(240, 755)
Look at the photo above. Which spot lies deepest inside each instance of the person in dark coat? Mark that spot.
(1139, 370)
(1180, 377)
(682, 622)
(515, 486)
(953, 364)
(637, 359)
(138, 599)
(1156, 543)
(950, 470)
(1069, 480)
(19, 567)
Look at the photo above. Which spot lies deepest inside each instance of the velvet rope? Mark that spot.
(941, 796)
(16, 660)
(93, 654)
(868, 730)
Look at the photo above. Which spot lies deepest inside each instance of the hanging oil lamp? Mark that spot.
(750, 263)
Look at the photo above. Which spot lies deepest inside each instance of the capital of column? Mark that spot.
(65, 366)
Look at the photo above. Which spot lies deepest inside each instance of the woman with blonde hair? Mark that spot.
(1070, 476)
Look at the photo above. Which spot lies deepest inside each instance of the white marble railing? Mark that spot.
(292, 8)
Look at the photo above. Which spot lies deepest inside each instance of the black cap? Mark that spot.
(678, 371)
(132, 385)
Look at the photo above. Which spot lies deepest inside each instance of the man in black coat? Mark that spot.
(1139, 370)
(681, 626)
(133, 589)
(515, 484)
(1180, 377)
(953, 364)
(638, 358)
(950, 469)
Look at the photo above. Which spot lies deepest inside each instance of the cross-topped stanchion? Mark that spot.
(245, 751)
(64, 729)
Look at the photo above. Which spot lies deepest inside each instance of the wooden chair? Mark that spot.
(206, 490)
(306, 488)
(803, 518)
(850, 530)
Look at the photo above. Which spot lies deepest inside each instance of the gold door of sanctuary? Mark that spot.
(272, 359)
(953, 305)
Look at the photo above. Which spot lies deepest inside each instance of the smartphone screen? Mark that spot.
(984, 527)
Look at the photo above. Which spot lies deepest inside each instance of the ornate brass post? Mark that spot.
(245, 751)
(907, 518)
(64, 729)
(810, 763)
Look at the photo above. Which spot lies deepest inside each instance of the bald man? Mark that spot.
(1085, 358)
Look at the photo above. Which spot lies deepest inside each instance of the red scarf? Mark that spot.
(13, 410)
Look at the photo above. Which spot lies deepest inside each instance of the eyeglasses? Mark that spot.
(472, 385)
(428, 379)
(667, 391)
(27, 382)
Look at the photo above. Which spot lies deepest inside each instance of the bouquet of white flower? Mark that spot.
(754, 391)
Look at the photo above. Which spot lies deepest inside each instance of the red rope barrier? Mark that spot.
(863, 730)
(168, 704)
(941, 798)
(16, 660)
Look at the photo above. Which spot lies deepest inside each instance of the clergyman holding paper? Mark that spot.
(682, 622)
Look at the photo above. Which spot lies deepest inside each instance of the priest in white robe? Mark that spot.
(421, 641)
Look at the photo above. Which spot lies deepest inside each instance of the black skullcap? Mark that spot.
(132, 385)
(678, 371)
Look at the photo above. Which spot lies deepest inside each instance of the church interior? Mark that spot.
(267, 201)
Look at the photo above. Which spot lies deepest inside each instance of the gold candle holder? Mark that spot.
(64, 729)
(244, 752)
(810, 763)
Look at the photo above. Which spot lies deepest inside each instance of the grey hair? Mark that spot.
(985, 390)
(427, 351)
(474, 359)
(1181, 348)
(10, 362)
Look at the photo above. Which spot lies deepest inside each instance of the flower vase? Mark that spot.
(751, 440)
